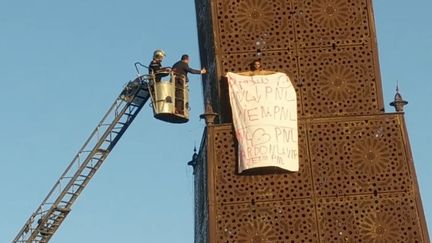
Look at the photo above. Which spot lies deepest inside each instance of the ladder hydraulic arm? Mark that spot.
(47, 218)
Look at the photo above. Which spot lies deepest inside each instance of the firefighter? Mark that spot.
(155, 66)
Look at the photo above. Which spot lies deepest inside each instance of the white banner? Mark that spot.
(264, 111)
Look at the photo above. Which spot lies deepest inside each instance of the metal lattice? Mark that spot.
(291, 24)
(356, 181)
(355, 184)
(234, 188)
(327, 47)
(278, 222)
(364, 219)
(358, 156)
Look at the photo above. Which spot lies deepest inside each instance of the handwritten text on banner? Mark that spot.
(265, 120)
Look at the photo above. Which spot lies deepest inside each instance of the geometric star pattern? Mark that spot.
(356, 181)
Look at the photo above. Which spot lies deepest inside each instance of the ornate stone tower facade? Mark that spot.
(356, 181)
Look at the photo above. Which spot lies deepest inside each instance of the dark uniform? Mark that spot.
(181, 69)
(155, 67)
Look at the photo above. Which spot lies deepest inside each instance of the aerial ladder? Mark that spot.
(47, 218)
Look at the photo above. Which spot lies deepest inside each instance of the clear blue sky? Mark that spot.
(63, 62)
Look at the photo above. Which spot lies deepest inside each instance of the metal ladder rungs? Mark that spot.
(72, 193)
(96, 158)
(132, 104)
(65, 202)
(143, 98)
(63, 211)
(55, 222)
(53, 218)
(45, 232)
(53, 212)
(102, 151)
(93, 163)
(80, 180)
(120, 127)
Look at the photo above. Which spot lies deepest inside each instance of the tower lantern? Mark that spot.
(398, 103)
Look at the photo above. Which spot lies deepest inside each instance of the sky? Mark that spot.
(62, 64)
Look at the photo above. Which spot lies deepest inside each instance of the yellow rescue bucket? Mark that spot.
(170, 98)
